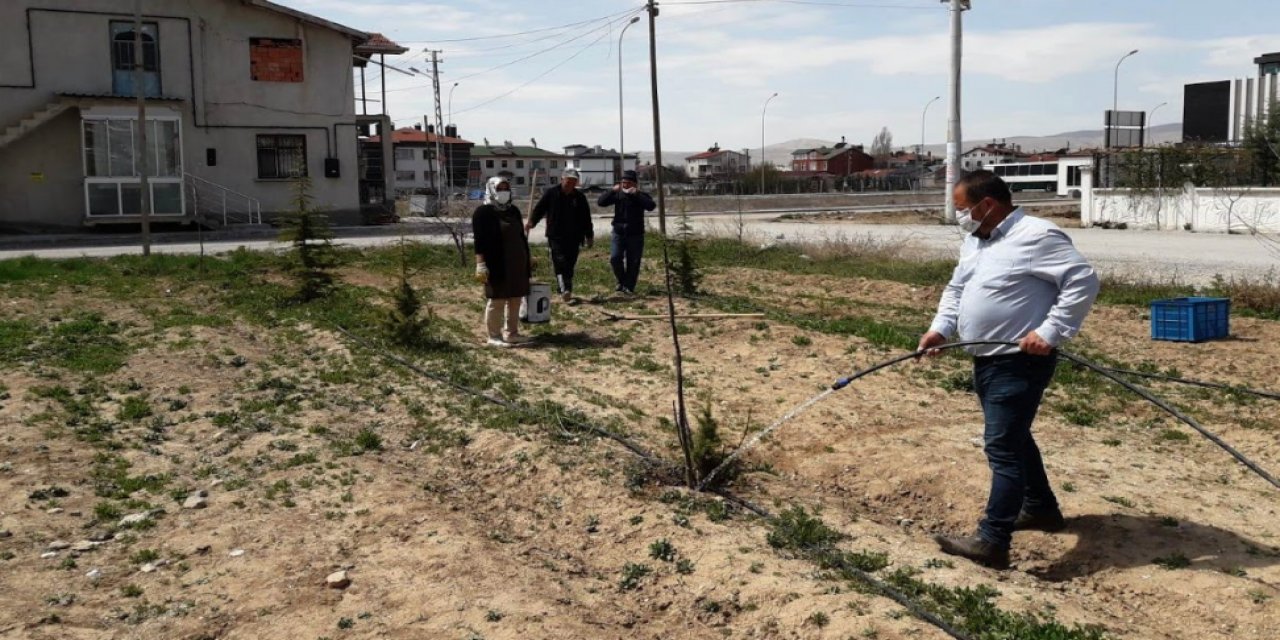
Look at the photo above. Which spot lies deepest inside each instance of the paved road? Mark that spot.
(1188, 257)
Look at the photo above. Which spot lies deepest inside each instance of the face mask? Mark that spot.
(629, 190)
(502, 197)
(964, 218)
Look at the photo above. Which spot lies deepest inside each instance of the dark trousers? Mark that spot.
(564, 260)
(625, 259)
(1010, 388)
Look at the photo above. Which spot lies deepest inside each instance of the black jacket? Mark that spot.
(487, 234)
(568, 215)
(628, 211)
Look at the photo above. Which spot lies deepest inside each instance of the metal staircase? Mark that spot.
(215, 205)
(35, 119)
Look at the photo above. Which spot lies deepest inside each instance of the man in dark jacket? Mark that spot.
(569, 227)
(629, 206)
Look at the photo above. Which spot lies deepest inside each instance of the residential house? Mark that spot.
(717, 164)
(243, 97)
(527, 167)
(994, 153)
(842, 159)
(597, 166)
(416, 169)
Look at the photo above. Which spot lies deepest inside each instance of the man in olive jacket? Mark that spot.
(569, 227)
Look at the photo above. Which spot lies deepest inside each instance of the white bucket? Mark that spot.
(536, 307)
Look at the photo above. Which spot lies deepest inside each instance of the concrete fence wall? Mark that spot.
(1228, 210)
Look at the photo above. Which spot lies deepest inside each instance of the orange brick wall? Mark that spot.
(275, 60)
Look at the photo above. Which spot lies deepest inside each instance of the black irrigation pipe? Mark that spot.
(1104, 372)
(877, 585)
(506, 404)
(1261, 393)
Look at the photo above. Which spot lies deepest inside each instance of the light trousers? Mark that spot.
(500, 327)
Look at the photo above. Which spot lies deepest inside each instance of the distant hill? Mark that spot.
(780, 152)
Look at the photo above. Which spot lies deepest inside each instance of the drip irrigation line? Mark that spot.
(517, 408)
(875, 584)
(1101, 370)
(1261, 393)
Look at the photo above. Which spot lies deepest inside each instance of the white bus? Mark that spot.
(1061, 176)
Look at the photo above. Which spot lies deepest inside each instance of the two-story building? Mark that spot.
(416, 169)
(717, 164)
(527, 167)
(597, 166)
(842, 159)
(987, 155)
(242, 98)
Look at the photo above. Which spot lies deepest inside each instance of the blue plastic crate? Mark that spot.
(1190, 319)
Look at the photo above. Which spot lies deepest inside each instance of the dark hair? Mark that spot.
(982, 184)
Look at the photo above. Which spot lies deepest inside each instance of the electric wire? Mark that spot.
(535, 78)
(503, 36)
(819, 3)
(523, 58)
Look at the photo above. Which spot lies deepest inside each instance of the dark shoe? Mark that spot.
(620, 289)
(975, 549)
(1049, 522)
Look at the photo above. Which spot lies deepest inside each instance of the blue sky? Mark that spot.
(1031, 67)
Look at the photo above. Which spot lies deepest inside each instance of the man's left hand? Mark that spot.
(1035, 345)
(590, 242)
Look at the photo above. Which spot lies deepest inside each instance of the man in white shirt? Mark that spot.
(1019, 280)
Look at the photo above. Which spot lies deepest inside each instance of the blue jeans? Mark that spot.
(1010, 388)
(625, 259)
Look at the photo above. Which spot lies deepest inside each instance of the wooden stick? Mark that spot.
(691, 316)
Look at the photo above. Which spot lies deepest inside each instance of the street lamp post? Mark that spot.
(1115, 93)
(455, 86)
(762, 112)
(1150, 116)
(920, 151)
(622, 136)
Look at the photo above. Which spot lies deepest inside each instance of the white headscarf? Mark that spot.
(491, 191)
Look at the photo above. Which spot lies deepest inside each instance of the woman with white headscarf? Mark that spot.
(503, 262)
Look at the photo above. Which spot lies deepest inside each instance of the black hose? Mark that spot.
(1261, 393)
(1101, 370)
(877, 585)
(506, 404)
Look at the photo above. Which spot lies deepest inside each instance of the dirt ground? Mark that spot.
(462, 524)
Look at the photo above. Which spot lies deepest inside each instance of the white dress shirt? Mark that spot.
(1027, 276)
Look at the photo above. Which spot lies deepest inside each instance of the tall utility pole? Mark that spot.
(140, 152)
(953, 123)
(441, 172)
(622, 136)
(652, 8)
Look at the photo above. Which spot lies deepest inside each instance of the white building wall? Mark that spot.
(204, 61)
(1234, 210)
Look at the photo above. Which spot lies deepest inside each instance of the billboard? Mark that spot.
(1125, 129)
(1206, 112)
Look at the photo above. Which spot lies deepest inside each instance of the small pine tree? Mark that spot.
(313, 257)
(687, 274)
(708, 449)
(404, 324)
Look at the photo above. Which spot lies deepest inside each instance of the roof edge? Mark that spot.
(355, 34)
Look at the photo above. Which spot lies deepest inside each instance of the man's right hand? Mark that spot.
(482, 273)
(930, 341)
(617, 187)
